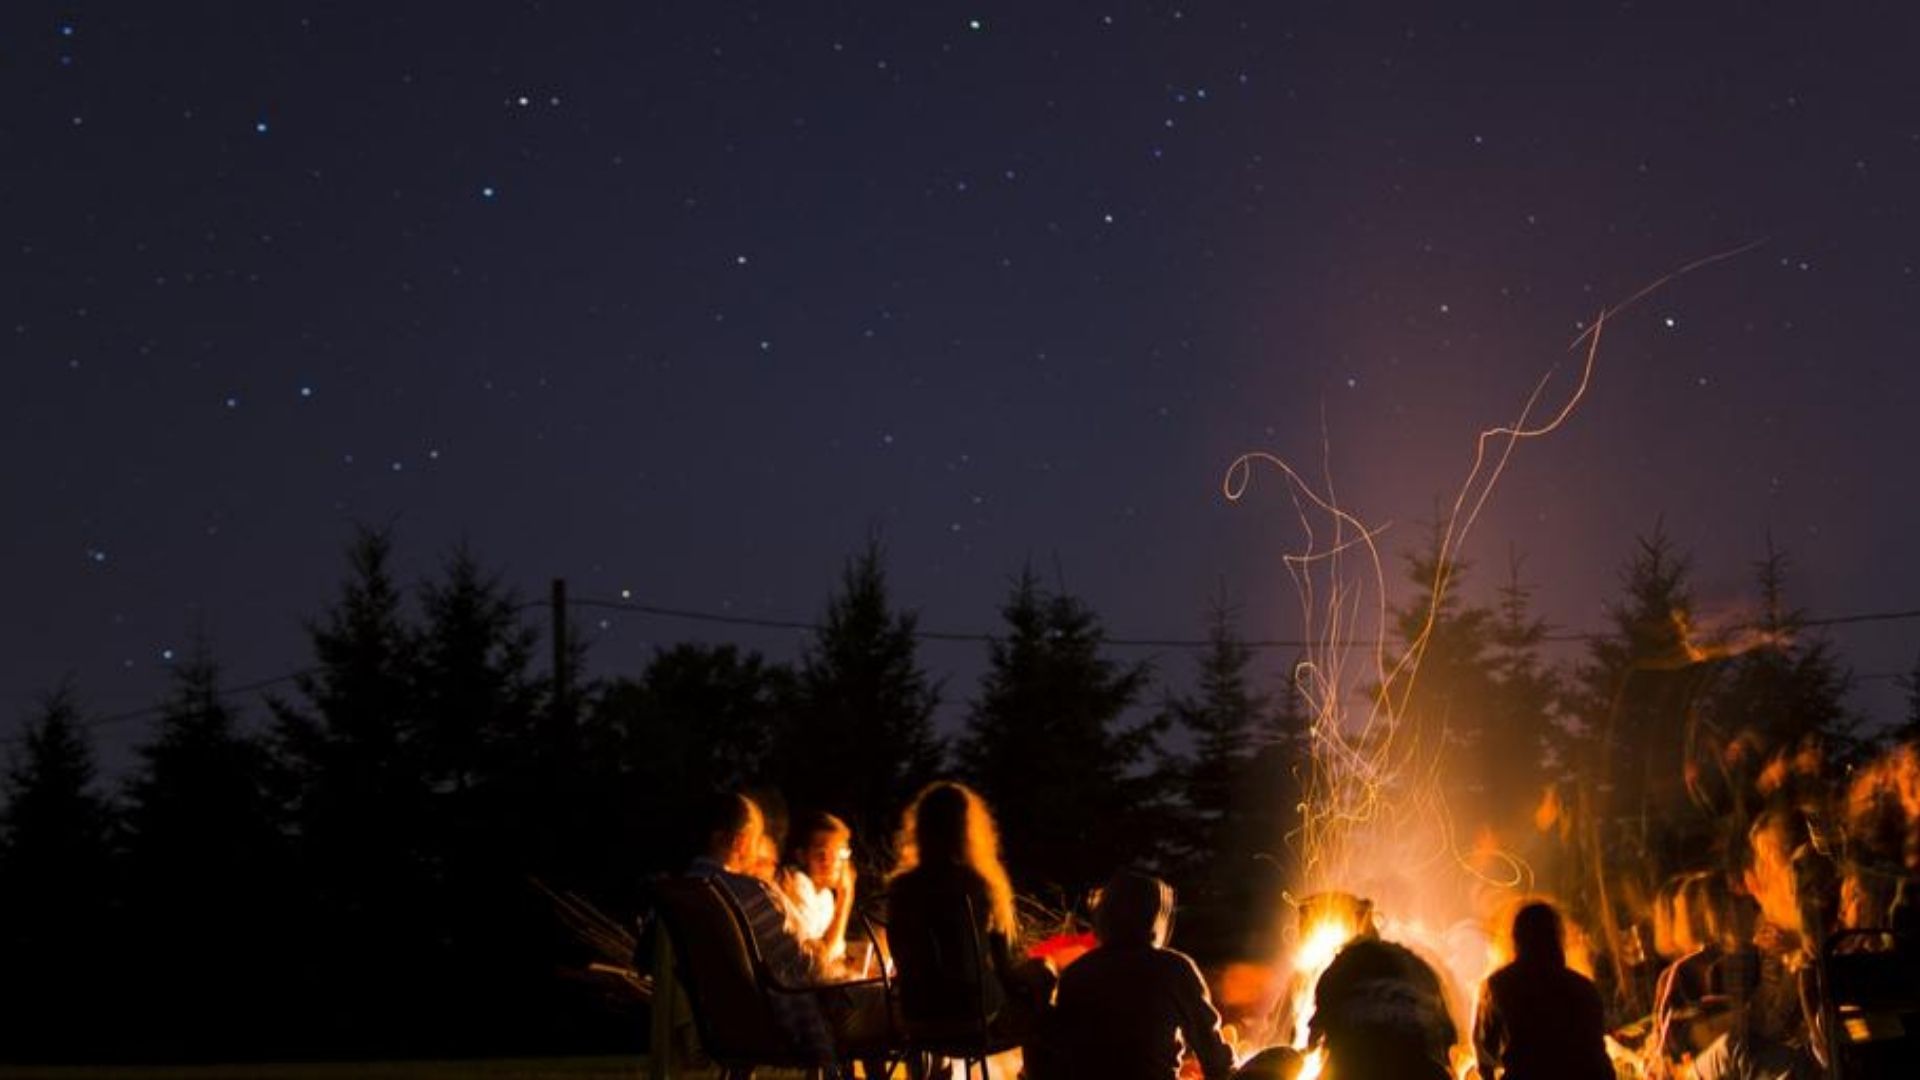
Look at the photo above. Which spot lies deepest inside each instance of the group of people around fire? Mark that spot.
(1745, 957)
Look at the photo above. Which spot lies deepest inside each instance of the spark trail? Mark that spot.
(1374, 809)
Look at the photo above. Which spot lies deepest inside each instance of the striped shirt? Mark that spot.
(776, 932)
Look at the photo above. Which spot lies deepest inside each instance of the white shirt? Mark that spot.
(813, 903)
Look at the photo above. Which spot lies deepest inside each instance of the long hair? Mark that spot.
(948, 823)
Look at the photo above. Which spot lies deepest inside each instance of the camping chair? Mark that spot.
(727, 982)
(942, 973)
(1874, 988)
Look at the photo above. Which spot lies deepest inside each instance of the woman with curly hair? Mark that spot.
(950, 894)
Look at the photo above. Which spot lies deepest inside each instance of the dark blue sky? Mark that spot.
(683, 299)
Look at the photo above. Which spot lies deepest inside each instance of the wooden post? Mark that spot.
(666, 996)
(562, 674)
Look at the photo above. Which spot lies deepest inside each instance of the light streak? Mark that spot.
(1373, 803)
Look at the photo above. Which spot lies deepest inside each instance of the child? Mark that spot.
(1126, 1009)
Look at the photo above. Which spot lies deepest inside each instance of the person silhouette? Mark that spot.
(1130, 1008)
(1380, 1012)
(1538, 1019)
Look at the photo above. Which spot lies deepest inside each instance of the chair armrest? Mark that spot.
(775, 986)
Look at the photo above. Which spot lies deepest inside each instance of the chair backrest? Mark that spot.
(1874, 969)
(714, 957)
(1873, 981)
(942, 970)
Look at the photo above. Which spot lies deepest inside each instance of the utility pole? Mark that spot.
(562, 669)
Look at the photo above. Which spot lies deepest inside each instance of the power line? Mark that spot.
(963, 636)
(147, 711)
(1133, 642)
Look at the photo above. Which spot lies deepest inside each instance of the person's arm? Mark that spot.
(776, 929)
(833, 943)
(1199, 1021)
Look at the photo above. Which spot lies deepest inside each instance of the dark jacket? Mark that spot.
(950, 970)
(1125, 1013)
(1540, 1021)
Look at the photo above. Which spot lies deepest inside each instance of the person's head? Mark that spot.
(733, 830)
(821, 845)
(1134, 909)
(948, 824)
(1538, 937)
(1364, 975)
(765, 863)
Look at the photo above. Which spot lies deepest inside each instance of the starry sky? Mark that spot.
(679, 301)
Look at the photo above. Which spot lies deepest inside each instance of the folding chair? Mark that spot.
(942, 973)
(727, 983)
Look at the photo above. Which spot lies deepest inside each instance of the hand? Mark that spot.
(847, 874)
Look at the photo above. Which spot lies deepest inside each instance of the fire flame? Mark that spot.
(1374, 809)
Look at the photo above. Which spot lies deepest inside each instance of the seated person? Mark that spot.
(817, 1022)
(818, 880)
(949, 863)
(1772, 981)
(1127, 1009)
(1690, 1008)
(1537, 1018)
(1380, 1013)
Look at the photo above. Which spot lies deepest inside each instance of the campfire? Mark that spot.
(1377, 845)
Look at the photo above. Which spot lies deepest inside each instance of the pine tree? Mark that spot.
(861, 738)
(1047, 741)
(206, 863)
(57, 919)
(1221, 718)
(361, 805)
(1634, 702)
(1238, 789)
(1446, 692)
(1272, 785)
(1781, 690)
(475, 689)
(698, 719)
(506, 803)
(1634, 694)
(1519, 717)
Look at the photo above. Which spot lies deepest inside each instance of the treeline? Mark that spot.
(350, 872)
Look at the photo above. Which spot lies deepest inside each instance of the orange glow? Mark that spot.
(1242, 986)
(1548, 814)
(1374, 815)
(1883, 807)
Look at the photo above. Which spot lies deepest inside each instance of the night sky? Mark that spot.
(684, 299)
